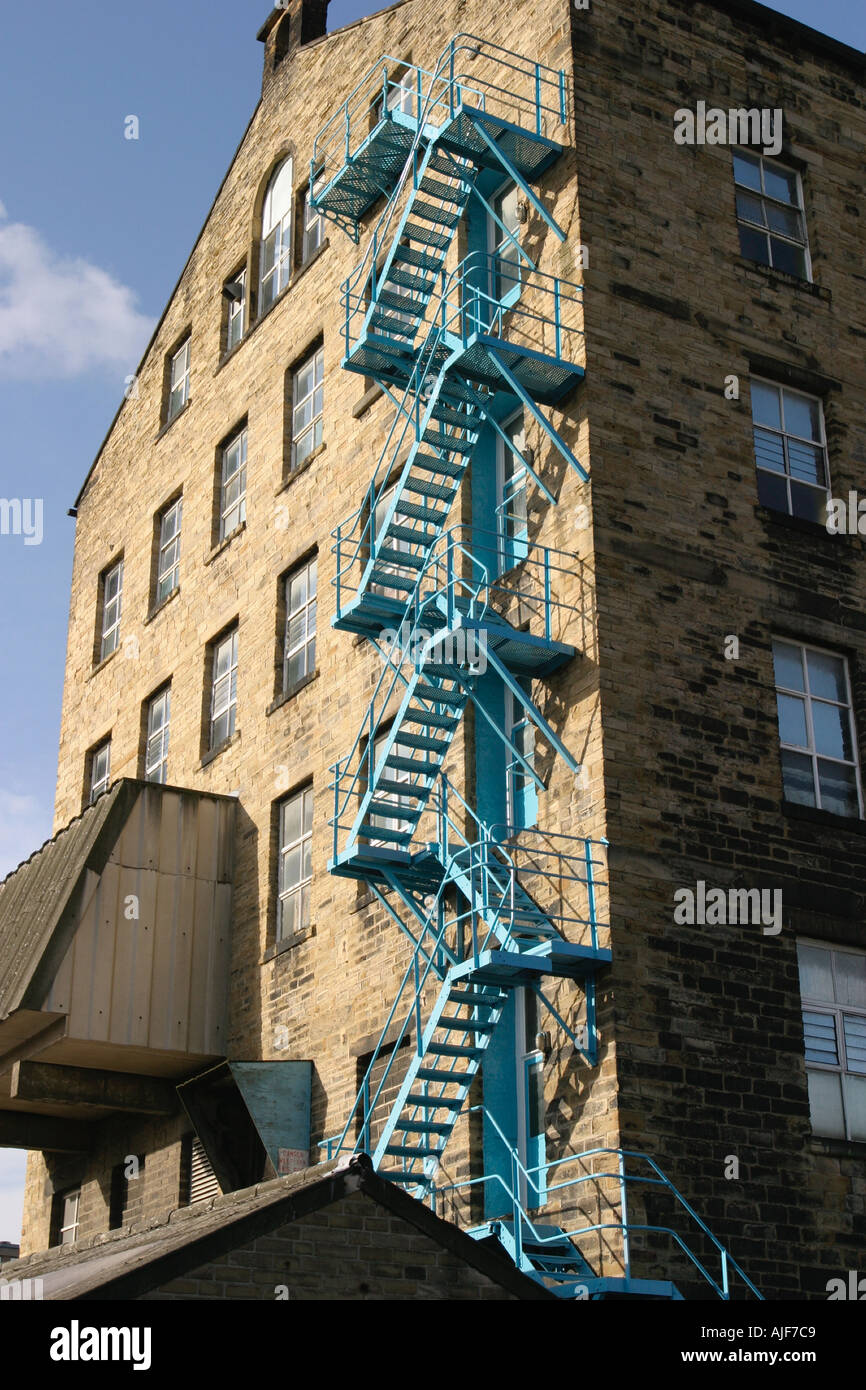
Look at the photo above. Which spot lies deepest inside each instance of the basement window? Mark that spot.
(833, 991)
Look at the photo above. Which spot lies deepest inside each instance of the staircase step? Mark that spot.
(423, 488)
(452, 1078)
(403, 304)
(447, 192)
(424, 769)
(452, 443)
(389, 811)
(392, 327)
(426, 236)
(438, 216)
(434, 692)
(442, 165)
(430, 717)
(448, 416)
(379, 832)
(436, 1102)
(469, 996)
(434, 668)
(454, 1050)
(419, 284)
(419, 513)
(392, 581)
(423, 1127)
(422, 260)
(405, 533)
(451, 1023)
(431, 463)
(404, 1151)
(433, 745)
(387, 784)
(400, 557)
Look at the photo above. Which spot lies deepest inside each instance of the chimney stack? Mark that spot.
(289, 26)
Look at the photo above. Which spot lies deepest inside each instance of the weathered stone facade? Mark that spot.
(700, 1027)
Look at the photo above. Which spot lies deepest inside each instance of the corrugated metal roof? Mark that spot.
(35, 897)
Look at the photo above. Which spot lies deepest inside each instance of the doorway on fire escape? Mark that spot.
(514, 1119)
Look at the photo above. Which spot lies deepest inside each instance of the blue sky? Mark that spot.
(94, 231)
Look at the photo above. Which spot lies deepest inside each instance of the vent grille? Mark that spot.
(202, 1178)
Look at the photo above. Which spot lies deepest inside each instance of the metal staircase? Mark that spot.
(448, 607)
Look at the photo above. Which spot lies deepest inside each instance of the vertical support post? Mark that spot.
(562, 104)
(538, 98)
(726, 1293)
(590, 894)
(623, 1200)
(365, 1128)
(417, 1004)
(449, 577)
(547, 624)
(557, 317)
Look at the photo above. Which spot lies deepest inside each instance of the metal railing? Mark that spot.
(526, 1228)
(536, 91)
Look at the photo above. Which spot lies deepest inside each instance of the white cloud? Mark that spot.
(60, 316)
(25, 824)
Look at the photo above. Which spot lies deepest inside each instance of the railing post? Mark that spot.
(590, 894)
(449, 577)
(726, 1293)
(623, 1199)
(562, 102)
(557, 317)
(417, 1005)
(365, 1128)
(538, 98)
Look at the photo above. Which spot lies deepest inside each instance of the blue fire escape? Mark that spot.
(448, 314)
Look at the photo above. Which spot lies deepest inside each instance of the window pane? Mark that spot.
(792, 721)
(826, 676)
(291, 820)
(769, 451)
(791, 259)
(838, 789)
(809, 503)
(784, 220)
(772, 491)
(855, 1105)
(747, 170)
(788, 666)
(832, 730)
(854, 1028)
(820, 1037)
(797, 778)
(825, 1103)
(765, 405)
(802, 416)
(851, 979)
(754, 245)
(751, 209)
(816, 973)
(781, 184)
(806, 462)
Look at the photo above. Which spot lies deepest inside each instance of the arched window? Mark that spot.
(276, 255)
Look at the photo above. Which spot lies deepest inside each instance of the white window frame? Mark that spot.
(168, 560)
(313, 229)
(178, 386)
(395, 799)
(156, 744)
(766, 161)
(236, 322)
(112, 606)
(100, 776)
(512, 527)
(787, 437)
(809, 699)
(224, 688)
(234, 513)
(380, 511)
(307, 432)
(497, 242)
(836, 1011)
(299, 888)
(276, 262)
(520, 730)
(402, 94)
(74, 1225)
(300, 634)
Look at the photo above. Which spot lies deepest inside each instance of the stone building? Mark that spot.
(514, 377)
